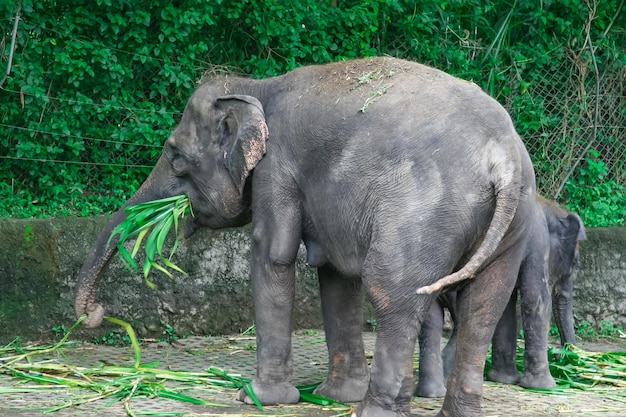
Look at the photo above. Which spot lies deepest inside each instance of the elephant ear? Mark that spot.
(242, 134)
(576, 220)
(569, 232)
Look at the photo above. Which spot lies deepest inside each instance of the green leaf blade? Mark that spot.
(150, 223)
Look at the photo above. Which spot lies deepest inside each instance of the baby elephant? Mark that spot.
(551, 254)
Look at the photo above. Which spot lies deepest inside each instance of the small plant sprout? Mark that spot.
(151, 221)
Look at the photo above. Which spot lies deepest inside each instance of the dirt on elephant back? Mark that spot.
(373, 76)
(367, 80)
(236, 355)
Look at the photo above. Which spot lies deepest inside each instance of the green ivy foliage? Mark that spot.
(597, 200)
(97, 85)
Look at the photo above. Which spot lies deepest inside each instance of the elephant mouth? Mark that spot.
(192, 225)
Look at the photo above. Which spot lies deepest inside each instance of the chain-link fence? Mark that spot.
(577, 110)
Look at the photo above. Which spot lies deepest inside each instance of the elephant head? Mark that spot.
(566, 230)
(209, 157)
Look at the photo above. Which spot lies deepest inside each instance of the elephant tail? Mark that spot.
(506, 174)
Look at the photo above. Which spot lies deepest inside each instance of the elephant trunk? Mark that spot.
(562, 307)
(101, 252)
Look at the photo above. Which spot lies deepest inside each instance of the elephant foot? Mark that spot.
(345, 390)
(542, 380)
(463, 406)
(444, 413)
(270, 394)
(430, 389)
(371, 410)
(511, 376)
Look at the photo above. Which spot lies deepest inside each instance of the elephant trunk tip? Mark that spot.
(95, 314)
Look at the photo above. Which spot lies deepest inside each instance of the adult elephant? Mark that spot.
(548, 266)
(394, 175)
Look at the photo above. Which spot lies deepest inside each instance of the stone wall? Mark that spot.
(40, 258)
(600, 286)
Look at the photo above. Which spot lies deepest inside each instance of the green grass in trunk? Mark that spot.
(152, 222)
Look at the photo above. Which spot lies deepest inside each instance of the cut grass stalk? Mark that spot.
(150, 223)
(27, 353)
(131, 335)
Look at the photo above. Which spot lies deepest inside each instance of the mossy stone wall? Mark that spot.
(40, 259)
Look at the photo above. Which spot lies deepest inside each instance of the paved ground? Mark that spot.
(236, 354)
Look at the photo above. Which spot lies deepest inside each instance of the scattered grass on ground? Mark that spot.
(32, 364)
(43, 368)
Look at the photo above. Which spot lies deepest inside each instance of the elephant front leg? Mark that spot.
(342, 309)
(399, 314)
(272, 270)
(504, 346)
(536, 309)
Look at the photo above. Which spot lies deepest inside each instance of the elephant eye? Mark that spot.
(177, 160)
(224, 135)
(179, 165)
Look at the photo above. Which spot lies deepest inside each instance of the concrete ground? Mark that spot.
(236, 355)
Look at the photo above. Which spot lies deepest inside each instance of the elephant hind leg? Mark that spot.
(399, 314)
(480, 305)
(431, 381)
(342, 309)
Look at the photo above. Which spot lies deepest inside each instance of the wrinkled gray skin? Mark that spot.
(394, 175)
(551, 255)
